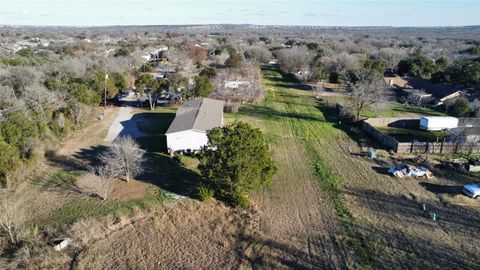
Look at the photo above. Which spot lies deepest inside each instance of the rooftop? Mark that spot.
(198, 114)
(437, 90)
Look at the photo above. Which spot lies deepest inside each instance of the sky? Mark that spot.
(321, 13)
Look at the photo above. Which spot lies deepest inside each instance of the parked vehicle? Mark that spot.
(438, 122)
(472, 191)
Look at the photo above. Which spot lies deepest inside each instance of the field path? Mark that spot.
(298, 222)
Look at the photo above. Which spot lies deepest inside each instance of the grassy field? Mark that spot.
(408, 135)
(396, 109)
(327, 208)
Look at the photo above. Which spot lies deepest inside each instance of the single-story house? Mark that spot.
(440, 92)
(423, 90)
(188, 131)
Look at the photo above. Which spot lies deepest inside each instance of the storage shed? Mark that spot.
(438, 122)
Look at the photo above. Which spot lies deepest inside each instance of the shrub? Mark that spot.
(205, 193)
(236, 161)
(240, 200)
(461, 107)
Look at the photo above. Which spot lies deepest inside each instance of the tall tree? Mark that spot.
(367, 90)
(203, 86)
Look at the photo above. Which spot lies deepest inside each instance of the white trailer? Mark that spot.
(438, 122)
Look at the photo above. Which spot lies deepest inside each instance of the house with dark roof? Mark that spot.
(424, 91)
(188, 130)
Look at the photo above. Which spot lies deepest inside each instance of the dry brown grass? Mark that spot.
(187, 235)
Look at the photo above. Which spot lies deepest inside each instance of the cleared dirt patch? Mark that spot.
(190, 235)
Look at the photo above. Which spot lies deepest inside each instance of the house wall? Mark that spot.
(184, 140)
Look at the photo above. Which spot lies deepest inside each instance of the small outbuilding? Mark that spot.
(438, 122)
(188, 131)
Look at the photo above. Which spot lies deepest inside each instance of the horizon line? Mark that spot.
(239, 24)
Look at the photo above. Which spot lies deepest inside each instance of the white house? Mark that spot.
(188, 130)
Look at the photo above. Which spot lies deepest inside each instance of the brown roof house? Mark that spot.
(188, 131)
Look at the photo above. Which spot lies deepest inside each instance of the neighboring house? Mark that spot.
(440, 92)
(188, 131)
(423, 91)
(395, 81)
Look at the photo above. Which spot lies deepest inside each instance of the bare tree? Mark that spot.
(239, 85)
(258, 53)
(295, 59)
(469, 138)
(368, 90)
(125, 157)
(392, 56)
(12, 216)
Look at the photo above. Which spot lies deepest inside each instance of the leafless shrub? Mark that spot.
(13, 215)
(72, 66)
(469, 138)
(96, 182)
(19, 77)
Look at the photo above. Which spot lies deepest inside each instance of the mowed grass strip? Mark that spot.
(291, 115)
(84, 207)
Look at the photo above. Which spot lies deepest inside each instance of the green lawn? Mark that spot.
(408, 135)
(396, 109)
(300, 131)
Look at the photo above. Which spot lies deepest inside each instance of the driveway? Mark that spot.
(125, 124)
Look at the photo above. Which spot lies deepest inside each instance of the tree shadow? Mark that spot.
(381, 170)
(272, 114)
(274, 254)
(170, 175)
(90, 156)
(64, 162)
(445, 189)
(292, 86)
(458, 218)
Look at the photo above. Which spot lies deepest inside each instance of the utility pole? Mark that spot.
(105, 93)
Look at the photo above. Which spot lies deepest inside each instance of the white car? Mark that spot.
(472, 191)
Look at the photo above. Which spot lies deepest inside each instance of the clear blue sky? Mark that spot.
(324, 13)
